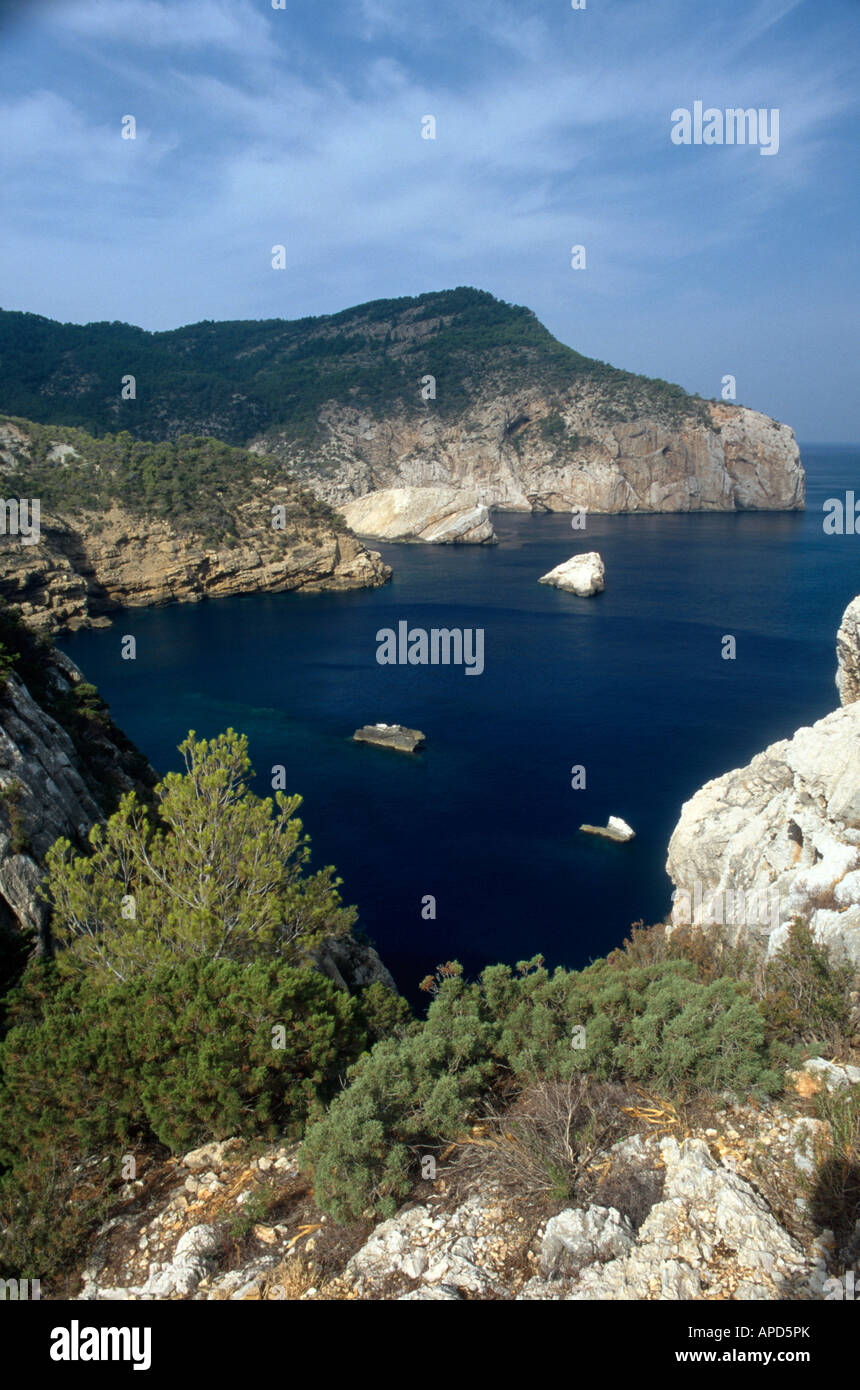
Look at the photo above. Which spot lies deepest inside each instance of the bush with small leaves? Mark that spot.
(197, 1051)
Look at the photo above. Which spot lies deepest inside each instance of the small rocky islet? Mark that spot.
(395, 736)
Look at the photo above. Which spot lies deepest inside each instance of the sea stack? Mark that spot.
(581, 574)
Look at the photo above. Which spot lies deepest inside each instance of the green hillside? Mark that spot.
(195, 483)
(237, 380)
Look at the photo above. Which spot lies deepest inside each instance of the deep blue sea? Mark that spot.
(630, 683)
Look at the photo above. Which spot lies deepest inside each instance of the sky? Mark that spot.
(301, 126)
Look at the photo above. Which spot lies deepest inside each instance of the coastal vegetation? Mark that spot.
(195, 483)
(183, 1003)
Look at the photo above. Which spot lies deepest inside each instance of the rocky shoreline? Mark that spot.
(88, 562)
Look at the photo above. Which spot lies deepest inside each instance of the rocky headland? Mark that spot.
(419, 416)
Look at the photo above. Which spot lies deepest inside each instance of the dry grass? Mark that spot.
(291, 1280)
(544, 1148)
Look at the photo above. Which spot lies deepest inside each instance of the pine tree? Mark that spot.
(222, 875)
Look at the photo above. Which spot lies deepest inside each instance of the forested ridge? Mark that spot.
(239, 379)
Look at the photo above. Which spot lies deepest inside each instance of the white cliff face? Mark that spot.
(848, 654)
(780, 839)
(581, 574)
(443, 515)
(528, 451)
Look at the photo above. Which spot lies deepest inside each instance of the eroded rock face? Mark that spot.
(848, 654)
(85, 567)
(48, 789)
(441, 515)
(697, 1226)
(583, 575)
(507, 453)
(704, 1206)
(780, 838)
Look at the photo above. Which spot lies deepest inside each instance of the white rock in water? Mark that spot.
(621, 827)
(582, 575)
(614, 829)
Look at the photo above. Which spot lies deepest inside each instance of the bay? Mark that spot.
(631, 684)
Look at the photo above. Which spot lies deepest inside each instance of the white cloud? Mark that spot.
(189, 24)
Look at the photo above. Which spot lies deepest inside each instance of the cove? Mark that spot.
(630, 684)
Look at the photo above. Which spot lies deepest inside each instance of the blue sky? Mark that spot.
(302, 127)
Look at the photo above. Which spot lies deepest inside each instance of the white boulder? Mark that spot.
(581, 574)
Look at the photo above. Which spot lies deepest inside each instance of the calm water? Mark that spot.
(630, 683)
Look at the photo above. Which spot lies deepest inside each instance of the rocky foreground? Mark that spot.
(720, 1210)
(420, 416)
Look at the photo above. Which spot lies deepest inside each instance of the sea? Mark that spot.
(470, 849)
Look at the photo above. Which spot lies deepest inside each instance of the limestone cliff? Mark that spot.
(780, 838)
(699, 1219)
(101, 548)
(530, 451)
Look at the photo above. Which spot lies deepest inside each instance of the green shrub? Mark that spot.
(7, 665)
(47, 1212)
(835, 1197)
(222, 874)
(10, 798)
(176, 1058)
(657, 1024)
(406, 1092)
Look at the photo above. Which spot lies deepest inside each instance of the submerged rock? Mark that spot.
(615, 829)
(395, 736)
(581, 574)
